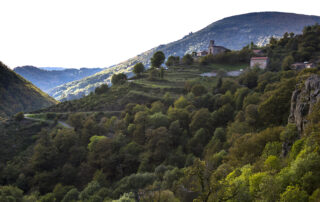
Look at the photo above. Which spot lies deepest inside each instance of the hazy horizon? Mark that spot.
(76, 34)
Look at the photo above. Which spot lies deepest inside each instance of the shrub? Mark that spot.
(102, 89)
(118, 79)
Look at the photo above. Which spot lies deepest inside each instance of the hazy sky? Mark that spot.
(100, 33)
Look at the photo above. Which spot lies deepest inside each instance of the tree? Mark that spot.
(94, 140)
(198, 178)
(10, 193)
(72, 195)
(293, 193)
(49, 197)
(198, 141)
(157, 107)
(138, 69)
(287, 62)
(173, 61)
(118, 79)
(102, 89)
(275, 109)
(187, 59)
(158, 119)
(157, 59)
(198, 90)
(182, 102)
(201, 119)
(161, 72)
(89, 191)
(249, 79)
(272, 163)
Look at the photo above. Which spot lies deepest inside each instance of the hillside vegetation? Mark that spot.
(17, 94)
(143, 90)
(233, 32)
(220, 139)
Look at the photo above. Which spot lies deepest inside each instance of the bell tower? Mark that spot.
(211, 47)
(211, 43)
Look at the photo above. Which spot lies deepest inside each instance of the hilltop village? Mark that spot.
(258, 59)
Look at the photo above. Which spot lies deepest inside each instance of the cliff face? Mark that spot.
(302, 101)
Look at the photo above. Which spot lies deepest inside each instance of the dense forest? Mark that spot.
(227, 139)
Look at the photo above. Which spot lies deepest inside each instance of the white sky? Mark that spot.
(100, 33)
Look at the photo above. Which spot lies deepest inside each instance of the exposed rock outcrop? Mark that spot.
(302, 101)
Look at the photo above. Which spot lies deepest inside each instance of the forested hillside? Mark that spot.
(17, 94)
(220, 138)
(233, 32)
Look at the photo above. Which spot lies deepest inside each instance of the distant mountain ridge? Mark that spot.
(18, 94)
(52, 68)
(232, 32)
(47, 78)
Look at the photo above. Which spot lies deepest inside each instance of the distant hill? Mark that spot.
(52, 68)
(232, 32)
(18, 94)
(51, 77)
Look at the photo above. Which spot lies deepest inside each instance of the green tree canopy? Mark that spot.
(118, 79)
(187, 59)
(157, 59)
(173, 61)
(138, 68)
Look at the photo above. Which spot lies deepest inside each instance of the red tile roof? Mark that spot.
(259, 58)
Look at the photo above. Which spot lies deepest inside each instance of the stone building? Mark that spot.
(202, 53)
(260, 62)
(302, 65)
(214, 50)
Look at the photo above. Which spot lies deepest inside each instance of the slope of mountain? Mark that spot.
(48, 78)
(232, 32)
(17, 94)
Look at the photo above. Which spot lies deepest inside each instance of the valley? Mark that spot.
(230, 125)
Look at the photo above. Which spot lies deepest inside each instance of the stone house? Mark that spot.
(202, 53)
(261, 62)
(302, 65)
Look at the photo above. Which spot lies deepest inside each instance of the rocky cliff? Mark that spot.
(303, 99)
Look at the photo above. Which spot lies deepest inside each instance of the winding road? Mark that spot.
(64, 124)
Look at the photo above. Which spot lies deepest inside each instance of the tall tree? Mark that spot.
(138, 68)
(157, 59)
